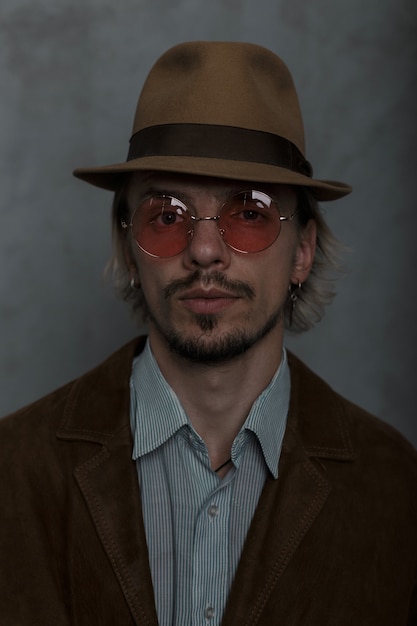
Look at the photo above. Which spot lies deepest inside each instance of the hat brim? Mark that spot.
(111, 177)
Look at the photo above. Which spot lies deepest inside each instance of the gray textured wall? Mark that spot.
(70, 73)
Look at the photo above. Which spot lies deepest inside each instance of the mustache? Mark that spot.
(214, 279)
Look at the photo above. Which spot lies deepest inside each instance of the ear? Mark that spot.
(305, 251)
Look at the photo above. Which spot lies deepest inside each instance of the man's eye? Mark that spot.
(172, 217)
(250, 215)
(167, 218)
(252, 212)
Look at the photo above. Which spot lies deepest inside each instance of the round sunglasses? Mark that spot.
(249, 221)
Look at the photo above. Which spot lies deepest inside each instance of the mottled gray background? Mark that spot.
(70, 73)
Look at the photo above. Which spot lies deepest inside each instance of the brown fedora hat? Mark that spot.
(220, 109)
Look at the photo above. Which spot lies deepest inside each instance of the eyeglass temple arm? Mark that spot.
(283, 218)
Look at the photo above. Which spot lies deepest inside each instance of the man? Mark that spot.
(202, 475)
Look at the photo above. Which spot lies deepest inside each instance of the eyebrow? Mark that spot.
(221, 196)
(152, 190)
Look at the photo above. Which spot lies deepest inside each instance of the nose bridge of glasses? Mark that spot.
(207, 218)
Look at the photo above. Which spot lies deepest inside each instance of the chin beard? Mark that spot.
(210, 348)
(206, 350)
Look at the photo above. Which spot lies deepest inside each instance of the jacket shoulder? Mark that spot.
(37, 423)
(323, 414)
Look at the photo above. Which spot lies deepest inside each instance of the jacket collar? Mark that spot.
(317, 415)
(98, 406)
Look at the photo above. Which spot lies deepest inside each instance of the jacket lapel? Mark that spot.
(111, 493)
(289, 506)
(98, 412)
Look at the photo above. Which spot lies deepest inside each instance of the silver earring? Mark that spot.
(133, 284)
(293, 290)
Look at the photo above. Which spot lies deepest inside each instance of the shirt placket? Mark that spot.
(211, 572)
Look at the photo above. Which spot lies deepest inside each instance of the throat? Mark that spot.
(223, 465)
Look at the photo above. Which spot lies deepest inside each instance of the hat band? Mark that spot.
(218, 142)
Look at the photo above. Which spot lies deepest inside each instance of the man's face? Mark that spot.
(209, 303)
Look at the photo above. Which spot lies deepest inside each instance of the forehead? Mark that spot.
(188, 186)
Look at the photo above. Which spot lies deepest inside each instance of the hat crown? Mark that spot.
(220, 109)
(222, 83)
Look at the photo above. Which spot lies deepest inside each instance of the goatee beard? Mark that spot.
(205, 351)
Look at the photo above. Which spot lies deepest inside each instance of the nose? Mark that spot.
(206, 247)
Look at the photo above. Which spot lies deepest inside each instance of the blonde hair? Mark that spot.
(318, 291)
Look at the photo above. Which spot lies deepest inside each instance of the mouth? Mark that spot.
(208, 301)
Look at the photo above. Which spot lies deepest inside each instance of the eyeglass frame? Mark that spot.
(214, 218)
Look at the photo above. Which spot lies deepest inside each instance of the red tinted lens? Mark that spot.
(249, 221)
(161, 226)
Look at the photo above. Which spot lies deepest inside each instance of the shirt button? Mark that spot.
(213, 510)
(209, 612)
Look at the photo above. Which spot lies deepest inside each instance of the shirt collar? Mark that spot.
(268, 416)
(156, 413)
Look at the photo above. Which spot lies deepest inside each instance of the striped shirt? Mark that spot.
(196, 522)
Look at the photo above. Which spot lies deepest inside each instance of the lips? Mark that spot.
(208, 294)
(207, 301)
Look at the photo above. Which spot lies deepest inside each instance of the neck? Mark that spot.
(217, 398)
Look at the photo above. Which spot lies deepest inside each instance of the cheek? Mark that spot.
(149, 279)
(273, 288)
(277, 268)
(154, 275)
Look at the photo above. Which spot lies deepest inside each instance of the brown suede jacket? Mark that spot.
(333, 540)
